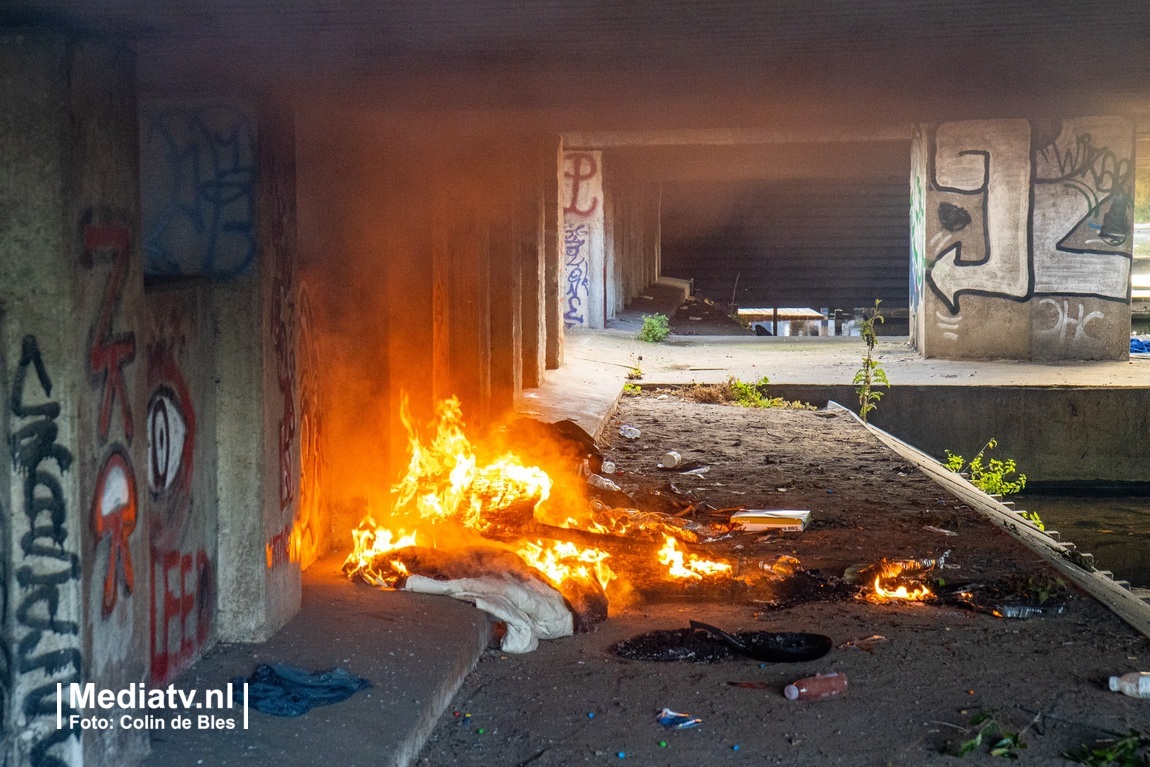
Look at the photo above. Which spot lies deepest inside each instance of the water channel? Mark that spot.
(1114, 527)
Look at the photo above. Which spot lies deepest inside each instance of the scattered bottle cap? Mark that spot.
(608, 467)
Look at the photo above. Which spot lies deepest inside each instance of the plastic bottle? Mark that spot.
(1136, 684)
(819, 687)
(629, 431)
(602, 483)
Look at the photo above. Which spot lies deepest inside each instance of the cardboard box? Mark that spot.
(777, 520)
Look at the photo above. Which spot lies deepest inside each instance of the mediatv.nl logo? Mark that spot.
(137, 708)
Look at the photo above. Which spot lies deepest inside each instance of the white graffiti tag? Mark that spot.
(1063, 321)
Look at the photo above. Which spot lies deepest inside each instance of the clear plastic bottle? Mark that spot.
(818, 687)
(602, 483)
(1136, 684)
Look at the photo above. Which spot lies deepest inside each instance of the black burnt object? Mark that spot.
(772, 647)
(707, 644)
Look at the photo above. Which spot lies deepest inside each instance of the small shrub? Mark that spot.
(871, 373)
(993, 477)
(655, 328)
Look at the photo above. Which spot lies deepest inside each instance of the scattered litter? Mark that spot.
(818, 687)
(646, 297)
(866, 645)
(608, 467)
(774, 647)
(590, 714)
(697, 472)
(1027, 611)
(939, 530)
(1136, 684)
(785, 566)
(694, 319)
(670, 459)
(603, 483)
(283, 690)
(629, 431)
(662, 744)
(673, 720)
(784, 520)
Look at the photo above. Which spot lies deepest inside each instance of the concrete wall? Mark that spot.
(631, 234)
(1055, 433)
(1028, 237)
(584, 223)
(75, 544)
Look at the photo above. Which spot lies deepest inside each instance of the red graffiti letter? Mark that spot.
(110, 352)
(579, 174)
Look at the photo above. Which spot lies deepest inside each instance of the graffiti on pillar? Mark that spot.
(284, 323)
(1019, 209)
(47, 567)
(582, 192)
(310, 434)
(1084, 182)
(198, 198)
(980, 179)
(1060, 322)
(577, 279)
(106, 248)
(580, 169)
(114, 511)
(917, 227)
(182, 575)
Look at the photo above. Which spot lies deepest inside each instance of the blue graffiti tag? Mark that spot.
(578, 281)
(198, 173)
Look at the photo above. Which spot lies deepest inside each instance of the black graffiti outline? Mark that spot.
(33, 444)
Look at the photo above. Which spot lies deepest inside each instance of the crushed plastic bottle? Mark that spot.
(1136, 684)
(629, 431)
(608, 467)
(602, 483)
(818, 687)
(673, 720)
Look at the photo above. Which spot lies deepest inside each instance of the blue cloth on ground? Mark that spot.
(283, 690)
(1138, 346)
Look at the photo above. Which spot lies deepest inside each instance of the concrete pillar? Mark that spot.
(532, 265)
(1028, 239)
(584, 285)
(218, 181)
(74, 541)
(554, 277)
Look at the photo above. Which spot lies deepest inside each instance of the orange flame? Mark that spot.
(372, 540)
(882, 594)
(445, 481)
(688, 566)
(562, 561)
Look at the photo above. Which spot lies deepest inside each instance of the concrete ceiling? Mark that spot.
(609, 64)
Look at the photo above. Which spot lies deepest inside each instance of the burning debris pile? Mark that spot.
(547, 546)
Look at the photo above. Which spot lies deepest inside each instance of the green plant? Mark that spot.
(655, 328)
(744, 394)
(1130, 751)
(871, 373)
(986, 728)
(993, 477)
(632, 389)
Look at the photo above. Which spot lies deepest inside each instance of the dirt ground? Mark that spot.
(912, 694)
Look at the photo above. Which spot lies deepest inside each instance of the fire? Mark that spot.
(445, 480)
(372, 540)
(689, 566)
(881, 594)
(563, 561)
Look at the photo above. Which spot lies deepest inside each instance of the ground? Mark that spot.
(910, 694)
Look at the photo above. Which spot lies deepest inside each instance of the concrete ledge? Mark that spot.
(678, 284)
(415, 649)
